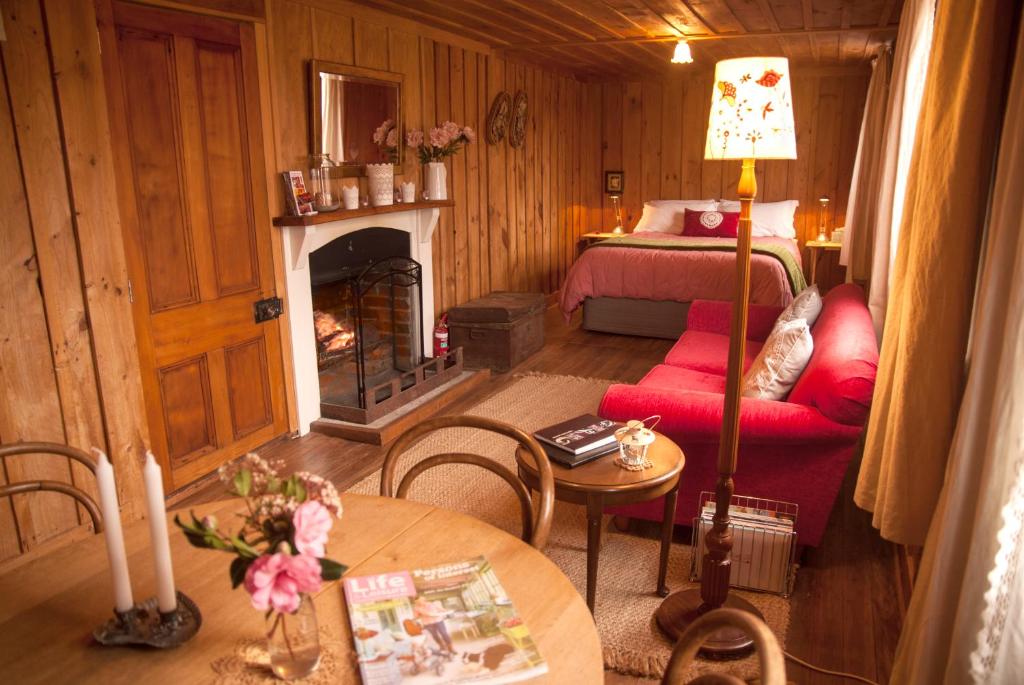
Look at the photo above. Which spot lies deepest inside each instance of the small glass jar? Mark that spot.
(293, 641)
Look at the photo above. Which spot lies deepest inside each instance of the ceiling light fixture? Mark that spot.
(682, 54)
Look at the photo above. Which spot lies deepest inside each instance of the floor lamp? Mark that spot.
(751, 118)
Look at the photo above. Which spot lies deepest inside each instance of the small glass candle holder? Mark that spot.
(634, 440)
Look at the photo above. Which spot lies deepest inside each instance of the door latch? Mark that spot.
(270, 308)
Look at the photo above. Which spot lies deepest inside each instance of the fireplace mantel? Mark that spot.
(302, 235)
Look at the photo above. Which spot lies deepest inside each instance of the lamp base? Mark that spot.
(681, 609)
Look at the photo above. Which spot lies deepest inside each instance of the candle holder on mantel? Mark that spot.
(145, 624)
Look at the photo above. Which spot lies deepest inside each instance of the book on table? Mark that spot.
(579, 435)
(451, 623)
(570, 460)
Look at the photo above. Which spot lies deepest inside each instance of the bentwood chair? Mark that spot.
(53, 449)
(770, 656)
(535, 530)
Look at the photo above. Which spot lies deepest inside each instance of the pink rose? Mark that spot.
(469, 134)
(392, 139)
(414, 138)
(451, 129)
(439, 137)
(274, 581)
(312, 522)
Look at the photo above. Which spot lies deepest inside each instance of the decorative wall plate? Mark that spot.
(497, 118)
(517, 134)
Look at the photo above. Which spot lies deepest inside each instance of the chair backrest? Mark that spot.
(56, 449)
(535, 531)
(770, 656)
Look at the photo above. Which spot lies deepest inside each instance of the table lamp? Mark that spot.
(751, 118)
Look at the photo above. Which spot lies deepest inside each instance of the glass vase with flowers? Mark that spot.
(279, 553)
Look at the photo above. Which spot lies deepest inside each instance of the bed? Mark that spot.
(642, 283)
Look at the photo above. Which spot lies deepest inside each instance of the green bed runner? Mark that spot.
(794, 273)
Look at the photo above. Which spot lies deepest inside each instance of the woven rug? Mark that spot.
(627, 572)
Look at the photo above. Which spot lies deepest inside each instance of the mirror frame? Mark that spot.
(316, 124)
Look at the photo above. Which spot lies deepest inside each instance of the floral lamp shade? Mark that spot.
(751, 110)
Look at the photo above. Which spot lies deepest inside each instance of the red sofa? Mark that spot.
(795, 450)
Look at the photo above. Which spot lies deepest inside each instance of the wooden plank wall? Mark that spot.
(68, 365)
(655, 131)
(519, 213)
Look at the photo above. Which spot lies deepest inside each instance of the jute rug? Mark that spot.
(627, 573)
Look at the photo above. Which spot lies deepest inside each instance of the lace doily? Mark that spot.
(249, 663)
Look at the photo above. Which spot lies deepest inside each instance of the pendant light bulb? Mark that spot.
(682, 54)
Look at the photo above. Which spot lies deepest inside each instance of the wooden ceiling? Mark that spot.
(612, 39)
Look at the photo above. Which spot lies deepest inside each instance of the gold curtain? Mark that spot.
(969, 593)
(921, 370)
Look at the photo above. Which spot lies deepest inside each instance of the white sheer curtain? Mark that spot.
(964, 623)
(862, 207)
(906, 89)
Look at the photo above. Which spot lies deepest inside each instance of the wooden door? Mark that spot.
(184, 109)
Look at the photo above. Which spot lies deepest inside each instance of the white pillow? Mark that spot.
(806, 306)
(666, 216)
(768, 219)
(781, 361)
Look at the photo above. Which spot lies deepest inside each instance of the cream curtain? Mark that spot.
(920, 374)
(964, 619)
(862, 206)
(906, 91)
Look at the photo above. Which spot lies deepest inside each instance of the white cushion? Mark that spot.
(666, 216)
(768, 219)
(781, 361)
(806, 306)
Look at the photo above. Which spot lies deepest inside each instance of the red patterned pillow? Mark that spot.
(711, 224)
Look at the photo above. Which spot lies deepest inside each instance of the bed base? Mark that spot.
(632, 316)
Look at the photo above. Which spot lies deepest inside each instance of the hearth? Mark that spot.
(367, 317)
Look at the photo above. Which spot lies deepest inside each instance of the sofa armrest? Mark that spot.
(697, 416)
(713, 316)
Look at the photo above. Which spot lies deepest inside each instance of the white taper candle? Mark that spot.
(112, 532)
(156, 512)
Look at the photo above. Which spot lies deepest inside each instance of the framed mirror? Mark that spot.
(349, 105)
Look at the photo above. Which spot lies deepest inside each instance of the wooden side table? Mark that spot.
(825, 246)
(601, 483)
(588, 239)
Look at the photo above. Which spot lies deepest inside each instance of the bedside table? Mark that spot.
(825, 246)
(597, 236)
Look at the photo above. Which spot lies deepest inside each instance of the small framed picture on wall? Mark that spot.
(614, 182)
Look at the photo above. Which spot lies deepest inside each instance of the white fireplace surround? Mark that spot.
(299, 243)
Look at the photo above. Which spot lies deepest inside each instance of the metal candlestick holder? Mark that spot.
(145, 624)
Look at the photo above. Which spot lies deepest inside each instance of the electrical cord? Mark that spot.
(838, 674)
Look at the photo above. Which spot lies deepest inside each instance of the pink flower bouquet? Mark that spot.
(280, 551)
(440, 142)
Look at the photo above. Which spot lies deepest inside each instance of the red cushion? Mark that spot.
(675, 378)
(708, 352)
(840, 378)
(711, 224)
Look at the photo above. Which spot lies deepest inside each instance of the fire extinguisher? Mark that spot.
(441, 336)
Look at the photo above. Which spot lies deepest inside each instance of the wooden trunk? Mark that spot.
(498, 331)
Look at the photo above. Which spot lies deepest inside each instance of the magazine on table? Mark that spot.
(451, 623)
(581, 434)
(560, 456)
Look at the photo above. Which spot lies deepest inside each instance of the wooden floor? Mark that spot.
(846, 608)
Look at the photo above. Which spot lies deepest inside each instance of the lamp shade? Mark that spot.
(751, 110)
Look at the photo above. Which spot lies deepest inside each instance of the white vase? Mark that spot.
(435, 181)
(381, 179)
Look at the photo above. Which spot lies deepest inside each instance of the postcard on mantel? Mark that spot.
(451, 623)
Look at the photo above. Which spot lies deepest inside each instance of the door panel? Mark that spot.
(152, 131)
(188, 409)
(220, 95)
(248, 392)
(197, 234)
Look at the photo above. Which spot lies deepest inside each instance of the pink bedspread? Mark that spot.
(679, 275)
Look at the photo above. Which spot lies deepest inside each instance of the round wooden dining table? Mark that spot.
(50, 606)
